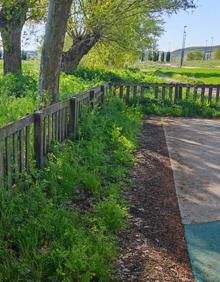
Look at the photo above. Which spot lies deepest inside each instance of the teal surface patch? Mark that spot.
(203, 243)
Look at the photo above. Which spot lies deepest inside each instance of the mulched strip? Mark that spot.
(153, 247)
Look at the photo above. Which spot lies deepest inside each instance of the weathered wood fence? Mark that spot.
(26, 142)
(170, 92)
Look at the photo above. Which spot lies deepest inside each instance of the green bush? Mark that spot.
(194, 55)
(217, 54)
(123, 75)
(18, 85)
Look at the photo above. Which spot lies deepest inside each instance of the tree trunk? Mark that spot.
(11, 38)
(80, 47)
(51, 57)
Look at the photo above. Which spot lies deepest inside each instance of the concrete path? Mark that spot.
(194, 147)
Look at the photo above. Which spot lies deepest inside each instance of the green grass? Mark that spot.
(209, 64)
(197, 75)
(60, 224)
(207, 72)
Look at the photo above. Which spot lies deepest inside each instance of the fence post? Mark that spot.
(127, 94)
(180, 94)
(163, 93)
(92, 98)
(217, 94)
(176, 93)
(1, 164)
(135, 92)
(170, 93)
(121, 90)
(202, 95)
(103, 93)
(210, 94)
(195, 93)
(142, 94)
(73, 117)
(38, 138)
(110, 88)
(156, 90)
(187, 91)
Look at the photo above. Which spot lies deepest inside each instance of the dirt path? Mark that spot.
(153, 247)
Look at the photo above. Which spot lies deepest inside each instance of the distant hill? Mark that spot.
(177, 53)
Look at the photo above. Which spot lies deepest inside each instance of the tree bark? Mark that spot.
(12, 20)
(58, 14)
(11, 39)
(81, 47)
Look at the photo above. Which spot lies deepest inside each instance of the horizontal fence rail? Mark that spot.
(27, 141)
(170, 92)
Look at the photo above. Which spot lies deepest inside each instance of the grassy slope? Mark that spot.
(210, 64)
(193, 72)
(194, 75)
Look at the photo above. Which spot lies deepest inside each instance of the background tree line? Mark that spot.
(157, 56)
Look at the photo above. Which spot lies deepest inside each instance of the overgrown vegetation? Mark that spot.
(18, 93)
(59, 224)
(183, 108)
(194, 56)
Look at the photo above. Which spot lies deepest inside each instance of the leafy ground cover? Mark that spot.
(59, 224)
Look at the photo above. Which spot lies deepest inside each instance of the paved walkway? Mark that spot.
(194, 147)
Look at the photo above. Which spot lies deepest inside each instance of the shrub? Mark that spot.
(217, 54)
(162, 57)
(18, 85)
(194, 55)
(168, 57)
(24, 55)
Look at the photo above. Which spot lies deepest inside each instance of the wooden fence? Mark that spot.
(26, 142)
(168, 92)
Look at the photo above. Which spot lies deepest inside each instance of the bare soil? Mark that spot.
(153, 246)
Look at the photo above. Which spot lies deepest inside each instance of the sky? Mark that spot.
(202, 24)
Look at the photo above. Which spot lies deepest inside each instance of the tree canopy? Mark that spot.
(130, 24)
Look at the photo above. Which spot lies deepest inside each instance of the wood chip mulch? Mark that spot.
(153, 246)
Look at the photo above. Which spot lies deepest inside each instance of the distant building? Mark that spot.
(31, 54)
(206, 50)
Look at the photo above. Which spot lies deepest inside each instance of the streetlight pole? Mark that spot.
(211, 50)
(183, 46)
(205, 52)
